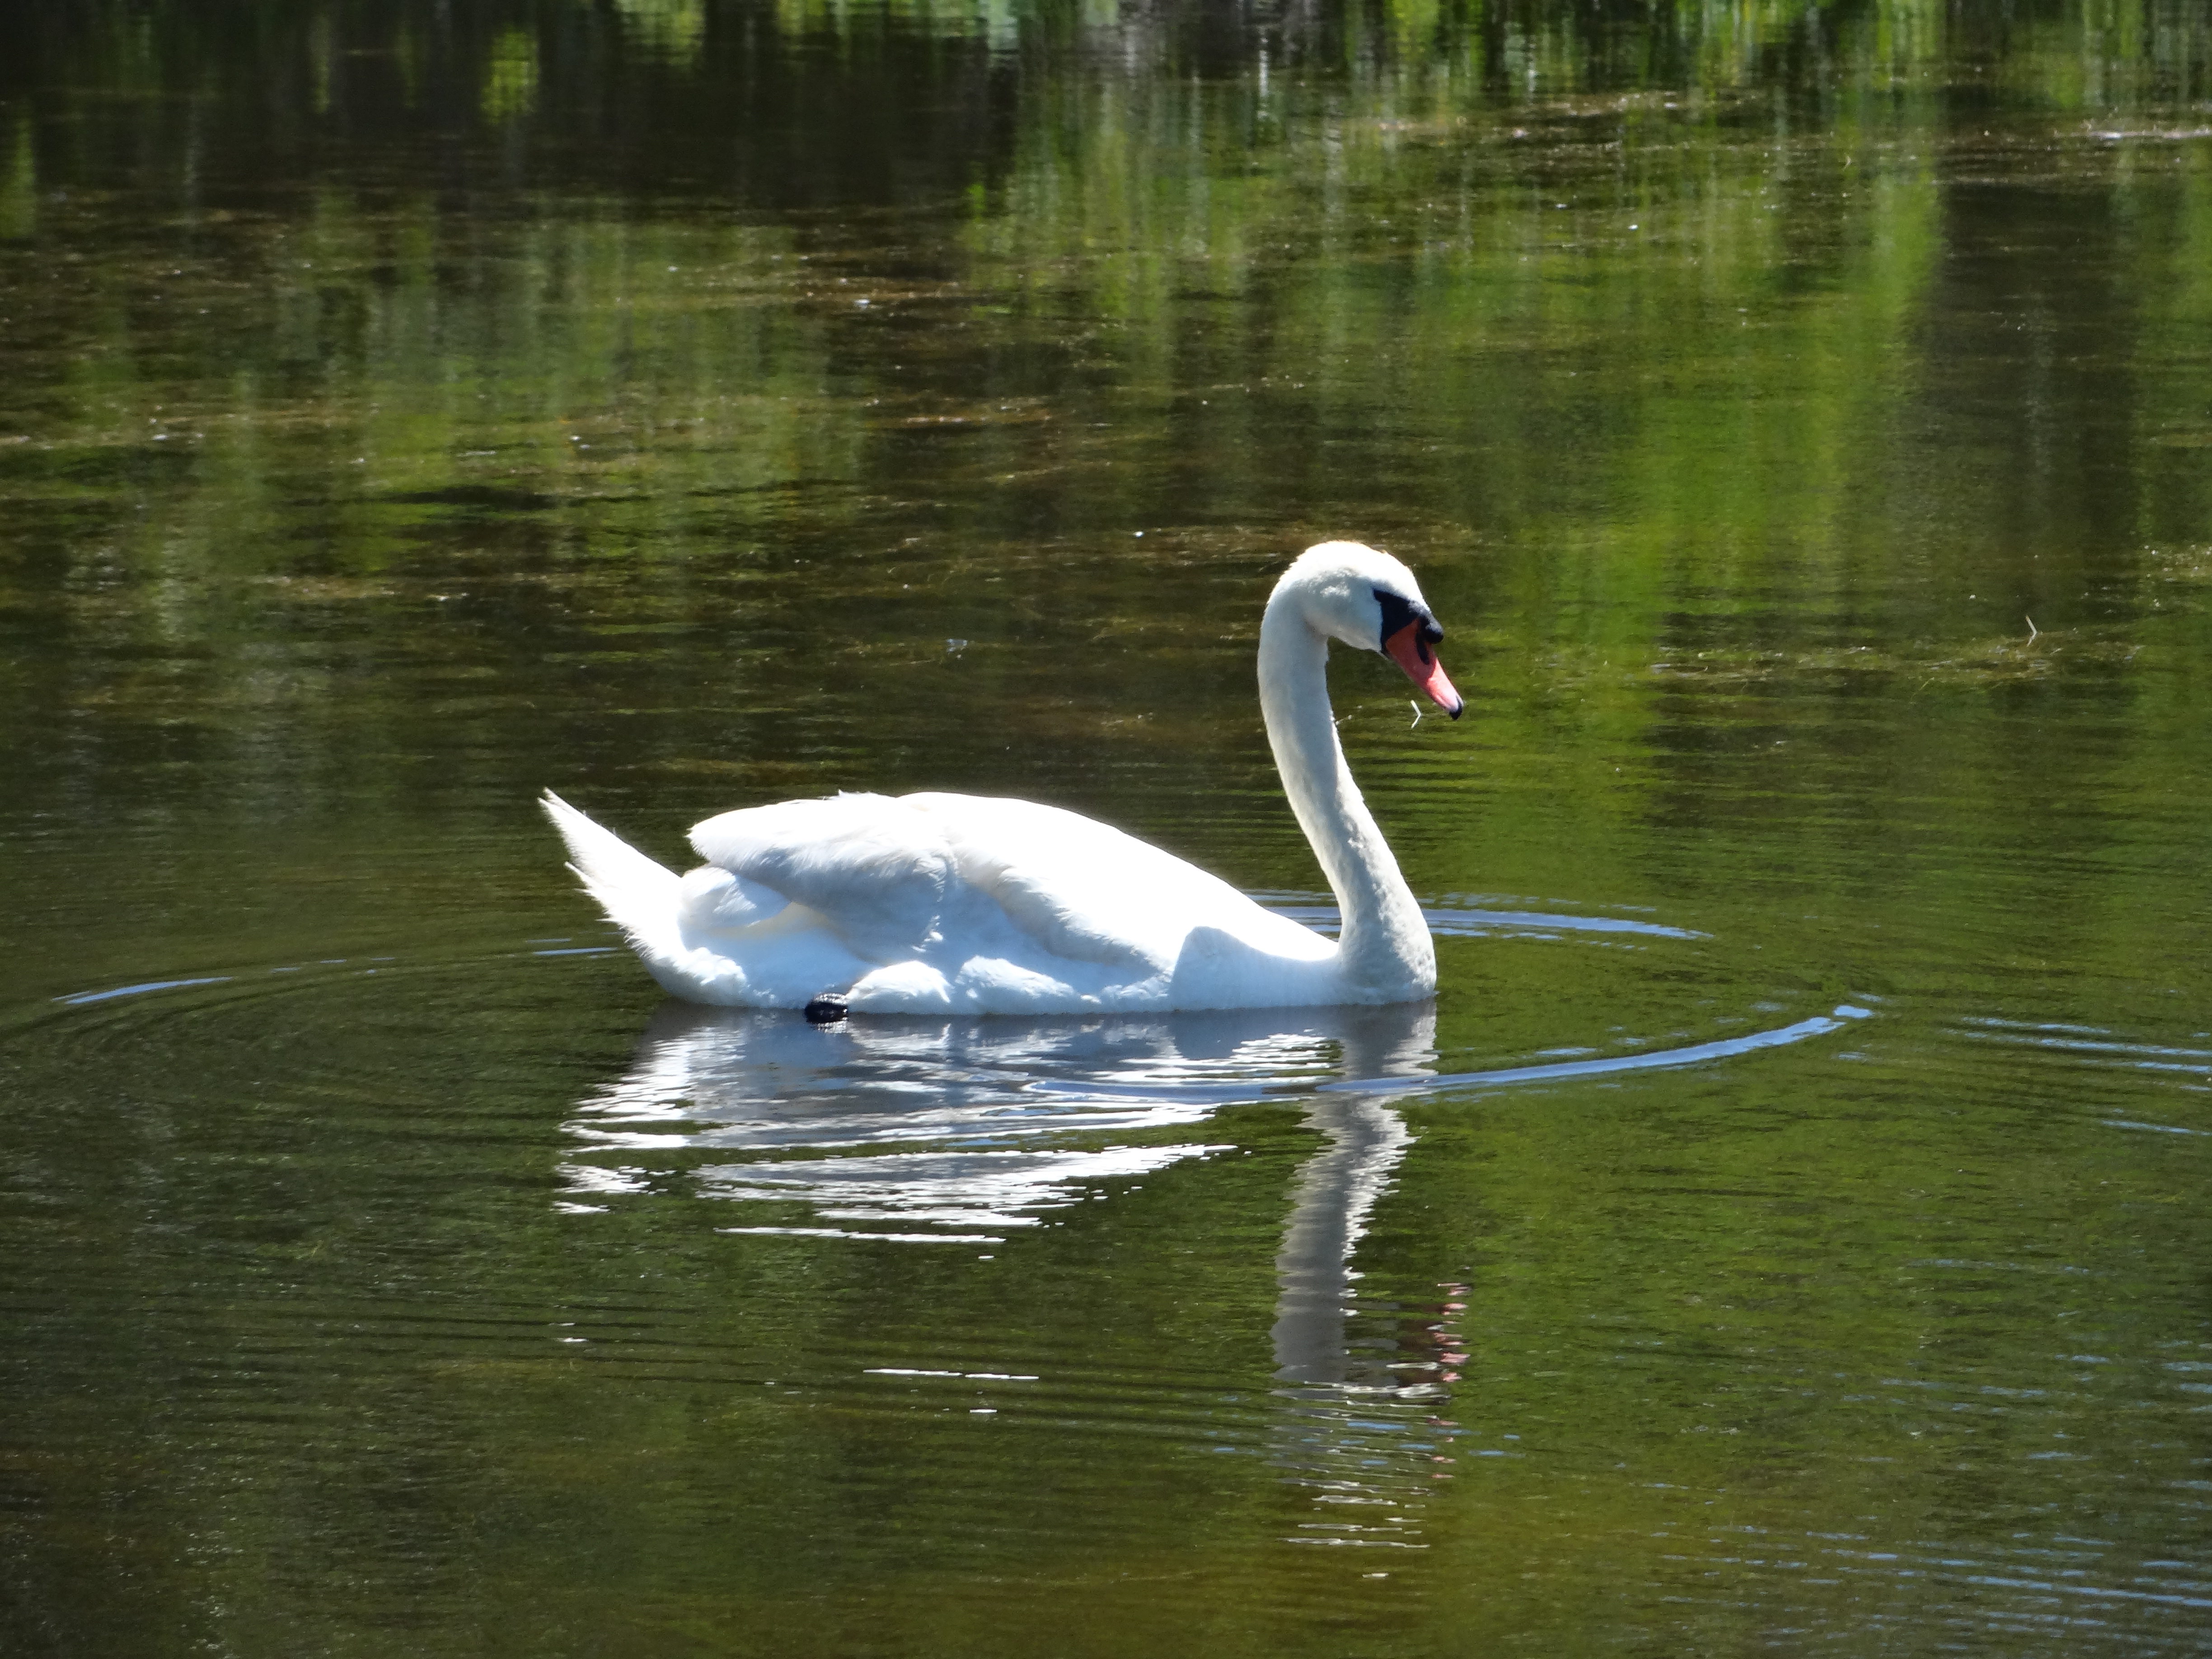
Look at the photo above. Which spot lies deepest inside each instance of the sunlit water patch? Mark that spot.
(2096, 1048)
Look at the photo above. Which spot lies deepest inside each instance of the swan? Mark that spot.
(937, 903)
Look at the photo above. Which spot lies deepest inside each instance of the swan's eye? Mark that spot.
(1400, 612)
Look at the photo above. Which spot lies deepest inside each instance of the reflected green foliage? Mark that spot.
(1800, 414)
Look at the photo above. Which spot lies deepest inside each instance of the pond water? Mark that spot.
(1786, 1228)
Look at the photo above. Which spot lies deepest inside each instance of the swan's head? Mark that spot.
(1350, 592)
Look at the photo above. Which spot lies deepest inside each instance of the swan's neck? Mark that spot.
(1384, 951)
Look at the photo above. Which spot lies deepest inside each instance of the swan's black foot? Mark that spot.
(826, 1010)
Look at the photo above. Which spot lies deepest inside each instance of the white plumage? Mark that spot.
(937, 903)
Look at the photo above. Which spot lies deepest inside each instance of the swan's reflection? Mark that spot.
(1356, 1425)
(1336, 1193)
(961, 1124)
(968, 1130)
(959, 1130)
(964, 1124)
(1338, 1186)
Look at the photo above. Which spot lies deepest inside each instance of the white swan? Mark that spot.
(962, 904)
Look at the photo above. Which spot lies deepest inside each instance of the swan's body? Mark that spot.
(936, 903)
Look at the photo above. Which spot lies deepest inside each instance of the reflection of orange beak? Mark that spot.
(1411, 653)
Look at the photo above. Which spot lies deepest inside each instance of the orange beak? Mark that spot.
(1411, 653)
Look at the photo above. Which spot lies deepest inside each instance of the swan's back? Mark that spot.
(1086, 892)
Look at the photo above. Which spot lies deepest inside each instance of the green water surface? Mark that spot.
(1800, 417)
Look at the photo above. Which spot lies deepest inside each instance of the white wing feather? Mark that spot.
(874, 872)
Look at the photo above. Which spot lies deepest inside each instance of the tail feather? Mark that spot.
(638, 895)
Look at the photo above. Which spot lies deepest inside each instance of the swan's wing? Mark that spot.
(875, 871)
(1086, 892)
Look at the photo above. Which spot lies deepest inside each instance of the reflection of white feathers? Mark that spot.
(965, 1123)
(941, 1190)
(936, 903)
